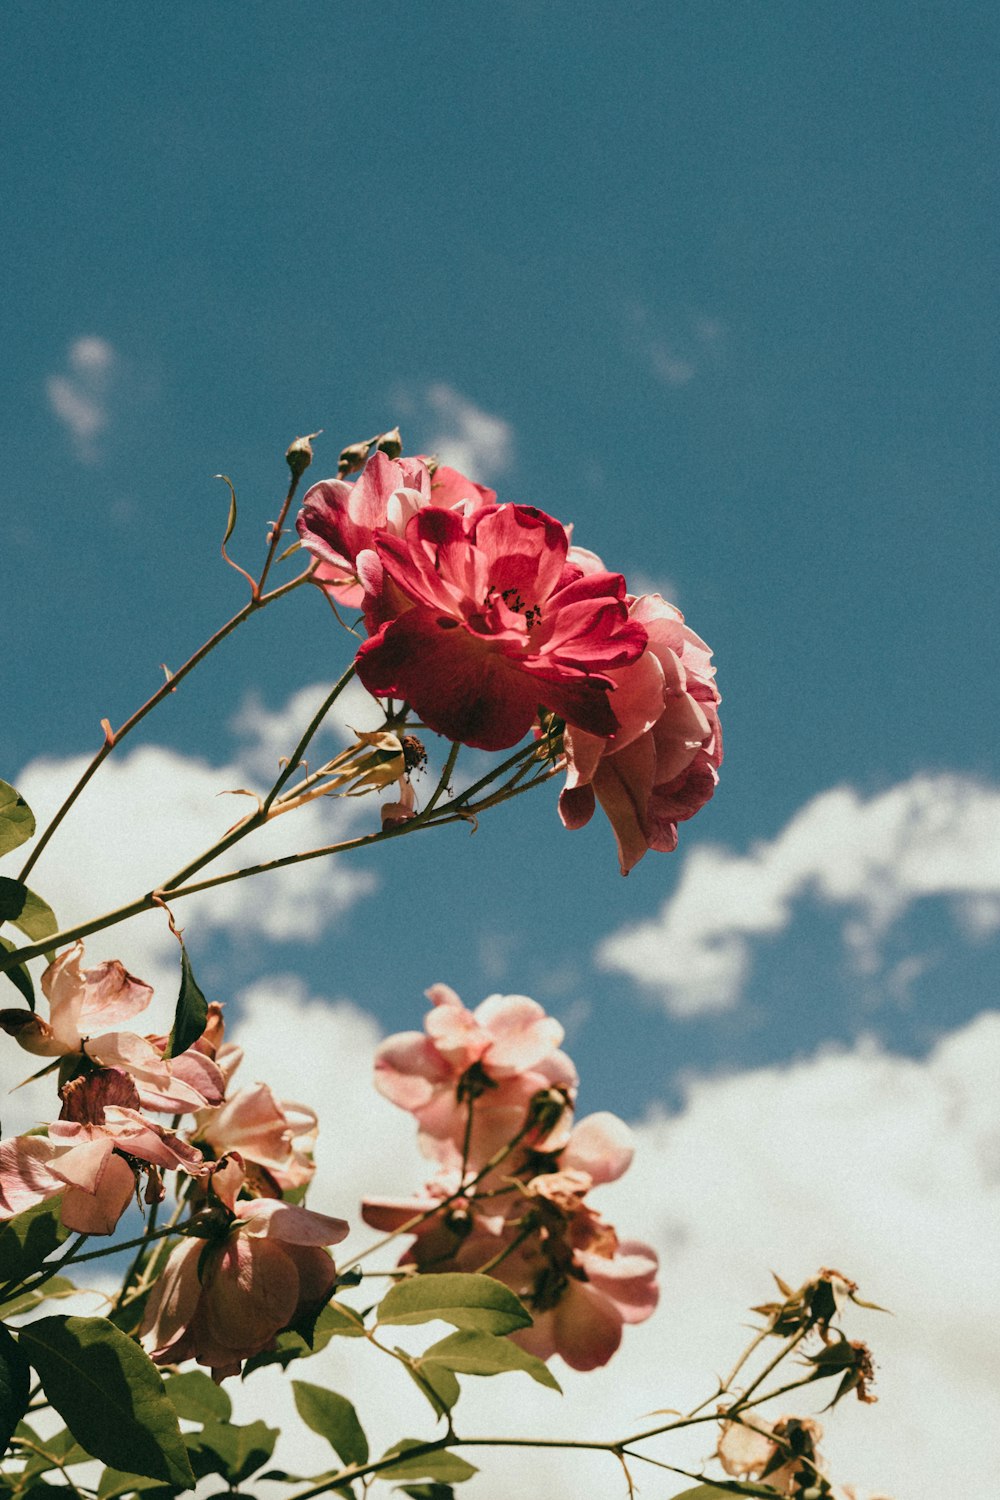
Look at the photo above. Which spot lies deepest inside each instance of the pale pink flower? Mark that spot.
(339, 520)
(274, 1134)
(94, 1155)
(82, 1002)
(223, 1300)
(496, 1060)
(661, 765)
(542, 1238)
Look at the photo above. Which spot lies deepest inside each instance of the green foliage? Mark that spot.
(114, 1483)
(195, 1396)
(722, 1488)
(15, 1381)
(335, 1321)
(19, 976)
(27, 1240)
(29, 912)
(190, 1012)
(49, 1291)
(334, 1418)
(472, 1302)
(230, 1450)
(437, 1464)
(110, 1395)
(17, 822)
(44, 1454)
(427, 1491)
(482, 1354)
(436, 1383)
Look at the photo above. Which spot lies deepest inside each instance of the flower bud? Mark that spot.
(390, 443)
(300, 455)
(353, 457)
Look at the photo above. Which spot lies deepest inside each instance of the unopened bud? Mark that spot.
(390, 443)
(354, 457)
(546, 1110)
(300, 455)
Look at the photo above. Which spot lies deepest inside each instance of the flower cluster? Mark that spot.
(251, 1264)
(488, 623)
(493, 1098)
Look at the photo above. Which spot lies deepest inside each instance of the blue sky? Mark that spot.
(714, 282)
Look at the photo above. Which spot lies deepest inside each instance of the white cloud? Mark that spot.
(677, 353)
(885, 1167)
(474, 441)
(79, 396)
(932, 836)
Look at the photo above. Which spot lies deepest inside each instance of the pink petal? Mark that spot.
(600, 1145)
(409, 1069)
(269, 1218)
(522, 1034)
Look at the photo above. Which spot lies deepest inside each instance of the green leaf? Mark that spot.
(114, 1483)
(109, 1394)
(436, 1383)
(15, 1383)
(334, 1418)
(190, 1013)
(438, 1464)
(335, 1321)
(725, 1487)
(428, 1491)
(29, 912)
(473, 1302)
(482, 1354)
(231, 522)
(19, 976)
(196, 1396)
(17, 822)
(55, 1287)
(233, 1451)
(29, 1238)
(60, 1448)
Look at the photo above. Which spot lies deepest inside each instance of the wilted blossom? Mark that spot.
(94, 1155)
(783, 1454)
(661, 765)
(544, 1240)
(224, 1298)
(485, 618)
(338, 521)
(502, 1060)
(84, 1001)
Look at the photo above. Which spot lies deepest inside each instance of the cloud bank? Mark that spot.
(870, 860)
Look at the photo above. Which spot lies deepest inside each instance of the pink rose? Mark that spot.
(339, 520)
(223, 1300)
(484, 619)
(661, 766)
(495, 1060)
(270, 1133)
(537, 1233)
(93, 1155)
(82, 1001)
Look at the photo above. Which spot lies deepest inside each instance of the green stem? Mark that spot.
(115, 737)
(295, 759)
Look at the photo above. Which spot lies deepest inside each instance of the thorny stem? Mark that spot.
(176, 889)
(114, 737)
(295, 759)
(17, 1288)
(460, 1192)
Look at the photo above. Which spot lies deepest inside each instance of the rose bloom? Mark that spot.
(269, 1133)
(82, 1001)
(223, 1300)
(496, 1060)
(581, 1283)
(94, 1155)
(339, 520)
(661, 765)
(485, 618)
